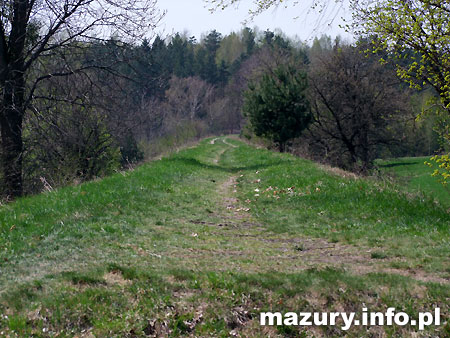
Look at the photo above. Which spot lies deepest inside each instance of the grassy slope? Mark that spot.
(171, 249)
(413, 173)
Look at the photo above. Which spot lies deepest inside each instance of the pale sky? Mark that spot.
(194, 17)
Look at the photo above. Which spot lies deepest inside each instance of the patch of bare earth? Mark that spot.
(229, 200)
(115, 278)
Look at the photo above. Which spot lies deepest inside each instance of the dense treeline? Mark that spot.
(142, 99)
(360, 109)
(137, 101)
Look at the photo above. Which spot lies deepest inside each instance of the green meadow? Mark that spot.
(200, 242)
(412, 173)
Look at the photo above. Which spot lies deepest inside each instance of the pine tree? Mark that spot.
(206, 58)
(181, 56)
(277, 105)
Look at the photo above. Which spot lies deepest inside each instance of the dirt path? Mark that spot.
(295, 253)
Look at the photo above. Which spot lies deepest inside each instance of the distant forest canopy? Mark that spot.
(148, 98)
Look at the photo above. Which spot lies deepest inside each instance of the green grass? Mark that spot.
(416, 176)
(183, 246)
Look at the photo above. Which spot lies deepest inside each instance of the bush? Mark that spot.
(68, 145)
(277, 106)
(129, 150)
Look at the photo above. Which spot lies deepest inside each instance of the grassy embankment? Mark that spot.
(412, 173)
(200, 242)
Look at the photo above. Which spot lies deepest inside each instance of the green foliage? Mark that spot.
(248, 37)
(276, 41)
(277, 105)
(417, 36)
(231, 48)
(417, 31)
(207, 66)
(181, 56)
(443, 164)
(150, 63)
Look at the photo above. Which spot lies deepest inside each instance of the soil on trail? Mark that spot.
(287, 253)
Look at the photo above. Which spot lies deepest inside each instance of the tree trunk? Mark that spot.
(281, 147)
(12, 147)
(12, 76)
(11, 118)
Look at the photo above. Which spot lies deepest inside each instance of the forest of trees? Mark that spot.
(123, 102)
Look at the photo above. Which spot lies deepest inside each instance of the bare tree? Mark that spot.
(187, 98)
(327, 11)
(356, 102)
(68, 141)
(34, 33)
